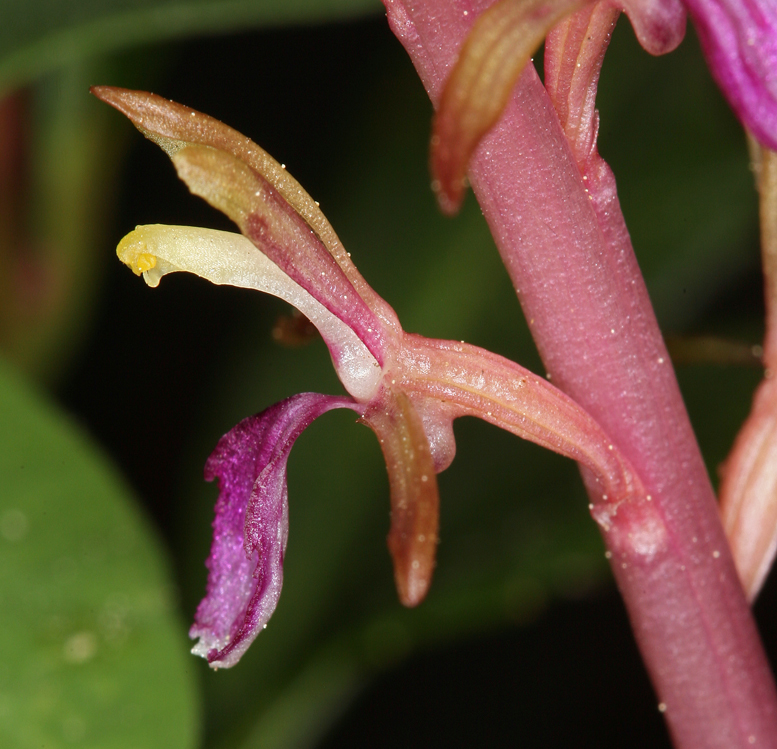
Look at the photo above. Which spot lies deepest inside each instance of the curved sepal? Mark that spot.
(465, 380)
(251, 525)
(497, 49)
(269, 206)
(412, 540)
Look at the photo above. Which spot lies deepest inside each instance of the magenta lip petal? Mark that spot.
(739, 38)
(251, 525)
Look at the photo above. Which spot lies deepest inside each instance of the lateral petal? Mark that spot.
(498, 47)
(748, 492)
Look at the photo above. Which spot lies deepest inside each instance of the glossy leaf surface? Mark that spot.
(93, 651)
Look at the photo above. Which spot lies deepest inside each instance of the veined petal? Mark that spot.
(268, 204)
(465, 380)
(574, 52)
(251, 526)
(232, 259)
(498, 47)
(739, 38)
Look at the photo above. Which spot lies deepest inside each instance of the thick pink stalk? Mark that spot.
(562, 237)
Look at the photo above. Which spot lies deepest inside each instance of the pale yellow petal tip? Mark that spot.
(133, 250)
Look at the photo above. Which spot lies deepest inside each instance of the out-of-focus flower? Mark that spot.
(748, 487)
(407, 388)
(739, 38)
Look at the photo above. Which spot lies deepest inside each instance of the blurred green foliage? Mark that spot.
(159, 375)
(39, 36)
(91, 645)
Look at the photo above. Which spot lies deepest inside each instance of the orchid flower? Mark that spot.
(406, 388)
(739, 38)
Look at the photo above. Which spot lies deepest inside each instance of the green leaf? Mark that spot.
(93, 652)
(39, 35)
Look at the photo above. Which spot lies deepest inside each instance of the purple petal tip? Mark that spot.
(251, 526)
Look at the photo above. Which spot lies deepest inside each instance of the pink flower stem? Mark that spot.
(567, 250)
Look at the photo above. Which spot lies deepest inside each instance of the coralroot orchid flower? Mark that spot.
(407, 388)
(739, 38)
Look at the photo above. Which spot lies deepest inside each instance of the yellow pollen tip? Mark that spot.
(132, 251)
